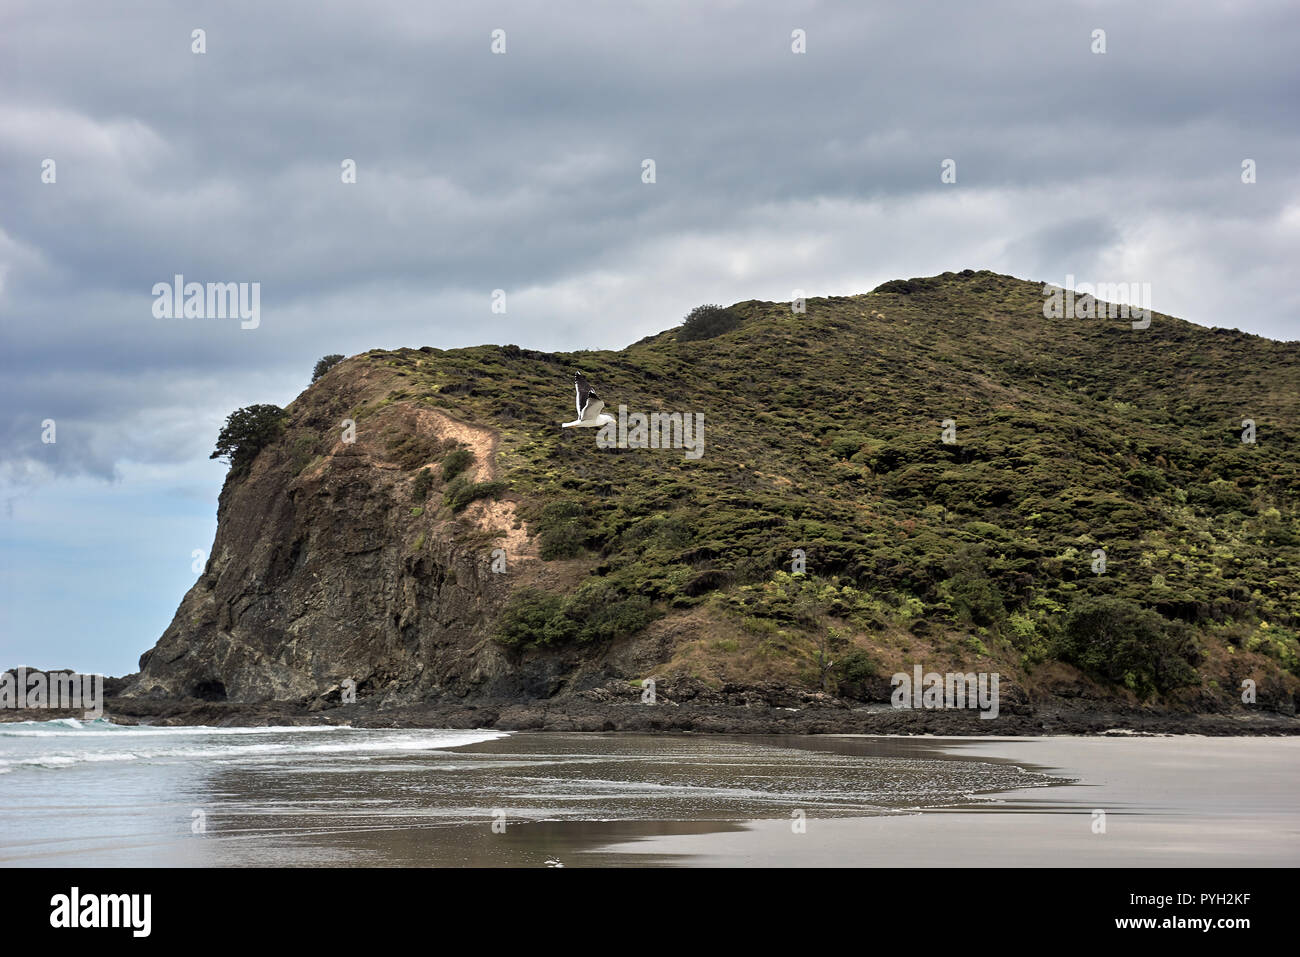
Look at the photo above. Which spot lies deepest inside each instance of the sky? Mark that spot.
(523, 169)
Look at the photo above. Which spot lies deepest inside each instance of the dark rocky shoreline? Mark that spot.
(687, 705)
(829, 716)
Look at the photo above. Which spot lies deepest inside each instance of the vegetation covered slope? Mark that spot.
(824, 442)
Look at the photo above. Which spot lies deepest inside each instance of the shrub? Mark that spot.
(974, 597)
(455, 462)
(410, 450)
(532, 617)
(303, 452)
(1146, 481)
(324, 365)
(562, 531)
(857, 666)
(907, 287)
(668, 533)
(1221, 495)
(601, 612)
(1277, 642)
(845, 445)
(802, 601)
(459, 493)
(705, 322)
(1115, 639)
(1022, 631)
(564, 541)
(596, 611)
(423, 482)
(246, 432)
(853, 674)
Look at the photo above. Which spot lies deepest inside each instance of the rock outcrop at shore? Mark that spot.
(318, 576)
(420, 535)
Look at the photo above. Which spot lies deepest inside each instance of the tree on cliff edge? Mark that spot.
(245, 434)
(324, 364)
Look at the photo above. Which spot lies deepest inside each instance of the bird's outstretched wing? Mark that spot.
(583, 394)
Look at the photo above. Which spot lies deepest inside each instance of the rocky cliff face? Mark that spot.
(329, 567)
(340, 561)
(320, 573)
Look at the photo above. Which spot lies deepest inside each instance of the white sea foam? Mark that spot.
(71, 726)
(67, 742)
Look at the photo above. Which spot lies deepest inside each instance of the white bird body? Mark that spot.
(589, 407)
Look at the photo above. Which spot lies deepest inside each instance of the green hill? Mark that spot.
(823, 434)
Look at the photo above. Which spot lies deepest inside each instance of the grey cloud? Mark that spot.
(523, 172)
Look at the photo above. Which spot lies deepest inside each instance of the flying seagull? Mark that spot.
(589, 406)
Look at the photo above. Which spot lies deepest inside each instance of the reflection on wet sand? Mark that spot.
(420, 798)
(374, 798)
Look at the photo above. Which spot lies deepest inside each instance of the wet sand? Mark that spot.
(339, 797)
(1168, 802)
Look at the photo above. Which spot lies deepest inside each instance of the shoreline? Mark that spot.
(1153, 806)
(824, 718)
(661, 800)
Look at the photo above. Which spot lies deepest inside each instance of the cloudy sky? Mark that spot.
(523, 171)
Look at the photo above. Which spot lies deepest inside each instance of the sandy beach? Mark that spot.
(100, 795)
(1167, 801)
